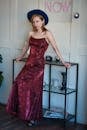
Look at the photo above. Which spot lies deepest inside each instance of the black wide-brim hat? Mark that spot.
(37, 12)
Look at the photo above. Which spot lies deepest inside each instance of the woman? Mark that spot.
(25, 100)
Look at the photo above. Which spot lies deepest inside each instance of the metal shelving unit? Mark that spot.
(65, 92)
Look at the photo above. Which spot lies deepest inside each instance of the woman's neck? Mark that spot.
(38, 34)
(39, 31)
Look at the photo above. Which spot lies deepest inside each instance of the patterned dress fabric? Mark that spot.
(25, 99)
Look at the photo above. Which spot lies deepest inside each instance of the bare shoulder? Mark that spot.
(30, 34)
(49, 34)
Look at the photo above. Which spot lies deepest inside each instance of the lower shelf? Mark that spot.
(57, 115)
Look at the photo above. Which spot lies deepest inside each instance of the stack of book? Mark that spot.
(55, 112)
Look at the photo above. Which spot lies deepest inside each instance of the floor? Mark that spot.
(8, 122)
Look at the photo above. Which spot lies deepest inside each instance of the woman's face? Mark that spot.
(37, 22)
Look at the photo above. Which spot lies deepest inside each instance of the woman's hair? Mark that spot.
(42, 19)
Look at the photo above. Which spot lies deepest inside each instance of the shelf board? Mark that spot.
(56, 115)
(59, 63)
(58, 90)
(49, 62)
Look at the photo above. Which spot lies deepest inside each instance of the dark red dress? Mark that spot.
(25, 100)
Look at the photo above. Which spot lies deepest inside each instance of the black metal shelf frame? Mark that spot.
(64, 92)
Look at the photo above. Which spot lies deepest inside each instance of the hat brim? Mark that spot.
(38, 12)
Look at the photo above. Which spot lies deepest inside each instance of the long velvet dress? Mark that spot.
(25, 99)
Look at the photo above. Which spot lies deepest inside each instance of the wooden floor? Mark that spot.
(8, 122)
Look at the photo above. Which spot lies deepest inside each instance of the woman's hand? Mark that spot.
(18, 59)
(67, 65)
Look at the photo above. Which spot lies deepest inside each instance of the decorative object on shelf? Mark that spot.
(64, 79)
(57, 59)
(55, 83)
(52, 114)
(55, 112)
(48, 58)
(45, 86)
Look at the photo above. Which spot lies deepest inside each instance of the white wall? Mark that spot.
(70, 34)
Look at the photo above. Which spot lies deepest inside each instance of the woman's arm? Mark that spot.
(55, 47)
(25, 49)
